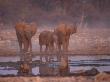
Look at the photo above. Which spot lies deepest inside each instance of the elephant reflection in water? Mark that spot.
(63, 33)
(24, 34)
(63, 66)
(24, 69)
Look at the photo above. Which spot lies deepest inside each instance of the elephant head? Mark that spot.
(63, 32)
(71, 29)
(24, 34)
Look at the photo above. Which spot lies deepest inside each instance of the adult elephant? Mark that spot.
(63, 33)
(24, 34)
(46, 38)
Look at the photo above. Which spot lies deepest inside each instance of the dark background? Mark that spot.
(96, 13)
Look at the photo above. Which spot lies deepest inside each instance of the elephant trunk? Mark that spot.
(73, 30)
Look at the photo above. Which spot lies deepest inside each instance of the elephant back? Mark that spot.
(61, 28)
(20, 26)
(71, 29)
(31, 29)
(26, 28)
(45, 37)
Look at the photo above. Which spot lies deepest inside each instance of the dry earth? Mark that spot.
(102, 77)
(45, 79)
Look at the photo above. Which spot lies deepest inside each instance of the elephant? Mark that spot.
(63, 33)
(47, 38)
(24, 33)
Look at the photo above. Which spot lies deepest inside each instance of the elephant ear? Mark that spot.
(73, 29)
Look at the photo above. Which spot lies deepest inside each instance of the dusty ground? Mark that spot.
(101, 77)
(85, 41)
(45, 79)
(98, 78)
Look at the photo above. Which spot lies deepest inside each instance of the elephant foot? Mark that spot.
(41, 52)
(21, 59)
(31, 51)
(46, 51)
(60, 51)
(21, 52)
(27, 52)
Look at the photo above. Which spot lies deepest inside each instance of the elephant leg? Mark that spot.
(64, 45)
(59, 47)
(20, 45)
(46, 48)
(67, 44)
(40, 48)
(19, 41)
(26, 45)
(30, 44)
(55, 46)
(28, 36)
(46, 58)
(51, 47)
(41, 59)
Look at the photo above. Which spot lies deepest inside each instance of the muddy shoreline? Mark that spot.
(71, 53)
(46, 79)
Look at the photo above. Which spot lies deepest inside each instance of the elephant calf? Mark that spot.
(47, 38)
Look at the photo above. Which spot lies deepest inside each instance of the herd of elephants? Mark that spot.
(59, 37)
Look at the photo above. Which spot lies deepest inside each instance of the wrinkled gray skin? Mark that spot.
(47, 39)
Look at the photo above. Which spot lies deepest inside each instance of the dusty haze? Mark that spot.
(91, 16)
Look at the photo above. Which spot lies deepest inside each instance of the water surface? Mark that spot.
(76, 63)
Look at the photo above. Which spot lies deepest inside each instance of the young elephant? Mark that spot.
(63, 32)
(46, 38)
(24, 34)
